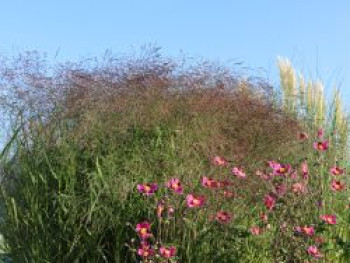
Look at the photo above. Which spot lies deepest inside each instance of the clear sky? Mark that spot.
(314, 34)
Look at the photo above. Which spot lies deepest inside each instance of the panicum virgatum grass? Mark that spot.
(148, 159)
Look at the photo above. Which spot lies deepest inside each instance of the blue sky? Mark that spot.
(313, 34)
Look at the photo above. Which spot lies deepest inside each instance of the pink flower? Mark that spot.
(307, 230)
(337, 185)
(270, 201)
(167, 252)
(223, 217)
(335, 170)
(175, 185)
(160, 208)
(304, 170)
(145, 250)
(219, 161)
(321, 145)
(209, 183)
(303, 136)
(143, 229)
(239, 172)
(329, 219)
(281, 189)
(281, 169)
(320, 133)
(299, 188)
(255, 230)
(273, 164)
(171, 211)
(147, 188)
(195, 201)
(313, 251)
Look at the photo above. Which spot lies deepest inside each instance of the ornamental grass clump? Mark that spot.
(147, 158)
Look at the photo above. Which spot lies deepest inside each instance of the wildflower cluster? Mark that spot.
(283, 182)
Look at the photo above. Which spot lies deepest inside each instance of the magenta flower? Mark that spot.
(314, 252)
(270, 201)
(329, 219)
(273, 164)
(335, 170)
(255, 230)
(239, 172)
(195, 201)
(321, 145)
(171, 211)
(167, 252)
(320, 133)
(223, 217)
(304, 170)
(175, 185)
(337, 185)
(160, 208)
(299, 188)
(209, 183)
(219, 161)
(143, 229)
(145, 250)
(307, 230)
(147, 188)
(281, 169)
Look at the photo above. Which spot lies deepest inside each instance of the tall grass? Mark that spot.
(71, 171)
(308, 102)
